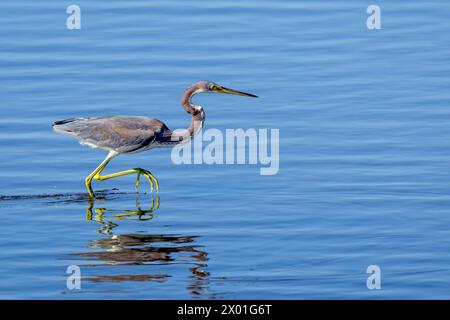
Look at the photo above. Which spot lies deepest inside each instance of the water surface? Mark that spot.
(364, 150)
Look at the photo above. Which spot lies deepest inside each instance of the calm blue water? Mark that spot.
(364, 119)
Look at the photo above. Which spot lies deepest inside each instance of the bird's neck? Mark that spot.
(197, 122)
(197, 113)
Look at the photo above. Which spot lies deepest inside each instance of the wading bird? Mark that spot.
(132, 134)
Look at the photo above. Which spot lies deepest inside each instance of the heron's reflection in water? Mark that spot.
(106, 216)
(148, 250)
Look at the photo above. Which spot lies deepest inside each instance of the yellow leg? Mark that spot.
(139, 171)
(88, 180)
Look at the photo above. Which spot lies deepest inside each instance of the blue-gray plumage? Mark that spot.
(123, 134)
(130, 134)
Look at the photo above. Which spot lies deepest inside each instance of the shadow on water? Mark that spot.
(150, 251)
(66, 197)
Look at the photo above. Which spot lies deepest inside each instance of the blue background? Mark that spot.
(364, 150)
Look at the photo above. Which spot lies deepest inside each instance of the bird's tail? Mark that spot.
(68, 126)
(60, 122)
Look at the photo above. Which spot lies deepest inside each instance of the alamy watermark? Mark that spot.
(73, 21)
(73, 281)
(374, 20)
(234, 146)
(374, 280)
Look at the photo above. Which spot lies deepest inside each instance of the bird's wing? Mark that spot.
(119, 133)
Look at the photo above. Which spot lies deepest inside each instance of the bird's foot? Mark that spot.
(154, 184)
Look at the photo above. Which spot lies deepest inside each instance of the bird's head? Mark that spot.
(209, 86)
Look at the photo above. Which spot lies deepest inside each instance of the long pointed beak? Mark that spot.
(230, 91)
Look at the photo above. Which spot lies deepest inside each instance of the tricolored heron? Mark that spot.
(131, 134)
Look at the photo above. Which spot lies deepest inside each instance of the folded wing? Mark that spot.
(122, 134)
